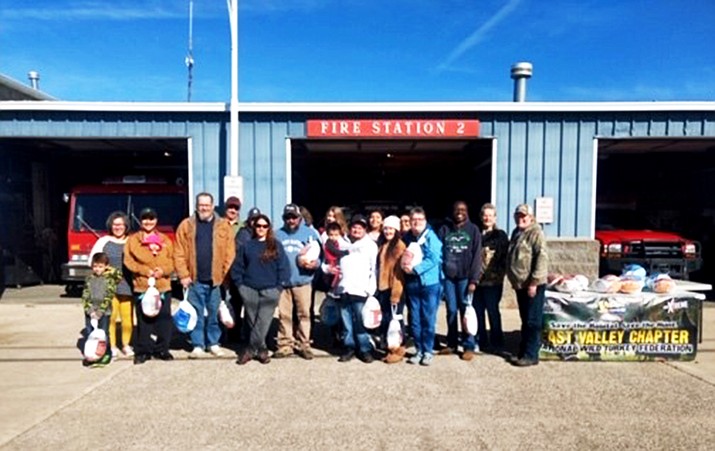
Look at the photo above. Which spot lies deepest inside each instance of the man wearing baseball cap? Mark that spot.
(232, 209)
(296, 239)
(527, 267)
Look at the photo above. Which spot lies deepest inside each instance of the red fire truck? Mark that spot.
(90, 205)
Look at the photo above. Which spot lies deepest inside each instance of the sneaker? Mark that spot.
(197, 353)
(141, 358)
(468, 355)
(244, 358)
(216, 351)
(165, 355)
(427, 359)
(115, 353)
(347, 356)
(366, 357)
(306, 353)
(128, 351)
(523, 362)
(264, 357)
(104, 361)
(283, 352)
(415, 359)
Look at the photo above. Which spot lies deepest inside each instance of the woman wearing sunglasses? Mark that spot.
(260, 271)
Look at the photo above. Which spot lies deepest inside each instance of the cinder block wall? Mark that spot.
(566, 256)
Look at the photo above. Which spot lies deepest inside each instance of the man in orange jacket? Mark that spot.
(203, 253)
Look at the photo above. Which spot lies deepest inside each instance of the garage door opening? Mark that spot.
(659, 185)
(36, 174)
(393, 175)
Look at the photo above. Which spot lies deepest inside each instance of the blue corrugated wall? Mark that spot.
(538, 154)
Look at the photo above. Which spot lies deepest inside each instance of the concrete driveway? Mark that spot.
(48, 400)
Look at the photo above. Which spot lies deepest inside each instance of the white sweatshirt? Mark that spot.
(358, 269)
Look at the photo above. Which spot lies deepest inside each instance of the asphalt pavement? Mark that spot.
(49, 401)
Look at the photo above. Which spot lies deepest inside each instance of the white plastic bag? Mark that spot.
(151, 300)
(311, 251)
(185, 317)
(394, 331)
(607, 284)
(571, 284)
(329, 312)
(634, 271)
(371, 313)
(412, 256)
(96, 345)
(660, 283)
(469, 321)
(225, 315)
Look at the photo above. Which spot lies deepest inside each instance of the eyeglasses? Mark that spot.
(261, 226)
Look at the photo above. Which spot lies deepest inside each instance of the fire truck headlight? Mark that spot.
(614, 249)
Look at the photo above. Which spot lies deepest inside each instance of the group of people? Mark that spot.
(401, 261)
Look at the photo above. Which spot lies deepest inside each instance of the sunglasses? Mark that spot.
(261, 226)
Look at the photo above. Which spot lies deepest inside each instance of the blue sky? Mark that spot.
(364, 50)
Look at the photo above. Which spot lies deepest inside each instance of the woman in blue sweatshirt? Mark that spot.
(260, 271)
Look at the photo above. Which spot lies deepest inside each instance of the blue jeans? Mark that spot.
(486, 300)
(455, 292)
(424, 301)
(386, 307)
(207, 331)
(531, 311)
(354, 330)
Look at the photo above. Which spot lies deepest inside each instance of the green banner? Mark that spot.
(620, 327)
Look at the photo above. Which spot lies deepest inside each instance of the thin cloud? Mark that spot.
(97, 11)
(273, 6)
(479, 35)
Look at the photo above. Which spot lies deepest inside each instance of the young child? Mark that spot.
(99, 290)
(333, 251)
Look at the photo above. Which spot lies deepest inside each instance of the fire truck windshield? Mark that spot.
(91, 210)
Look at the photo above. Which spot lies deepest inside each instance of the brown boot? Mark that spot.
(395, 356)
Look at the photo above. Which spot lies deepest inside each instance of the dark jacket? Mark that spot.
(495, 244)
(461, 251)
(248, 269)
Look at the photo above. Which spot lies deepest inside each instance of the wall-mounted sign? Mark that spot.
(544, 210)
(392, 128)
(233, 186)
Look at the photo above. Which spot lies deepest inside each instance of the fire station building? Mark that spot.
(581, 165)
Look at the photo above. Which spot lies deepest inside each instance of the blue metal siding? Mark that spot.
(538, 154)
(207, 130)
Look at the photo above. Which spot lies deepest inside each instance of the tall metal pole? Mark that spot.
(233, 19)
(190, 56)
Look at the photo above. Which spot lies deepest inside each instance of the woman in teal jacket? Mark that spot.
(422, 264)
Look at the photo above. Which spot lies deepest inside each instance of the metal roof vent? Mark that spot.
(520, 72)
(34, 77)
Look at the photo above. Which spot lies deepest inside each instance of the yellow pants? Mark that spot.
(121, 312)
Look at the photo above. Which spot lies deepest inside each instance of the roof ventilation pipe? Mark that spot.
(34, 77)
(520, 72)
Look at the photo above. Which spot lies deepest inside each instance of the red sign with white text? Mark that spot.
(392, 128)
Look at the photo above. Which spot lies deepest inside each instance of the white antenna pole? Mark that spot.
(233, 20)
(190, 57)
